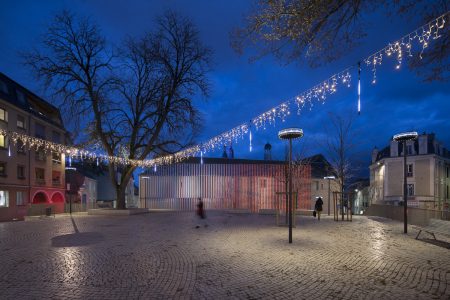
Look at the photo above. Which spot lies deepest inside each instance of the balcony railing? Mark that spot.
(56, 182)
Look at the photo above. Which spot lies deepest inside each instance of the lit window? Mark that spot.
(56, 158)
(3, 141)
(4, 199)
(20, 172)
(3, 169)
(3, 115)
(20, 122)
(20, 198)
(410, 189)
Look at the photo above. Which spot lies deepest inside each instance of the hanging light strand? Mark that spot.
(318, 93)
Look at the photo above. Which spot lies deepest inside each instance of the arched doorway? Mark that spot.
(39, 197)
(57, 198)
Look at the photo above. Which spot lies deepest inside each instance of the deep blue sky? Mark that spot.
(400, 101)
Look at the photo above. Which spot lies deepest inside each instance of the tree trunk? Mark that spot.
(120, 196)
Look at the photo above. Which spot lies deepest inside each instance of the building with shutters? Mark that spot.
(428, 174)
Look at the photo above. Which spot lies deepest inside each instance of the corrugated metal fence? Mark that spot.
(223, 186)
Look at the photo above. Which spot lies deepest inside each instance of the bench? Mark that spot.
(436, 226)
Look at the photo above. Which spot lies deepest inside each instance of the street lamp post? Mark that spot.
(329, 191)
(290, 134)
(403, 137)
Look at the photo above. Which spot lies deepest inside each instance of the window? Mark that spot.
(409, 170)
(20, 122)
(3, 115)
(56, 137)
(40, 154)
(409, 149)
(20, 97)
(20, 198)
(410, 189)
(56, 178)
(317, 185)
(40, 176)
(3, 87)
(56, 158)
(20, 172)
(20, 147)
(3, 169)
(4, 199)
(3, 141)
(40, 131)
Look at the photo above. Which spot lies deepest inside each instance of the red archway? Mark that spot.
(57, 198)
(39, 197)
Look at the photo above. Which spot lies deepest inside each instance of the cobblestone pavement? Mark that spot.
(164, 256)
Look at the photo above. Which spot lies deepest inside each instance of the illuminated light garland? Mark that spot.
(359, 87)
(431, 30)
(250, 139)
(319, 93)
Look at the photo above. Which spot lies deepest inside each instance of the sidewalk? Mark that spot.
(240, 256)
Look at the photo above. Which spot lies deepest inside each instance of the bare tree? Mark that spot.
(135, 104)
(340, 146)
(323, 31)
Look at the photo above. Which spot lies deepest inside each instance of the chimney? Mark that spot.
(394, 149)
(374, 154)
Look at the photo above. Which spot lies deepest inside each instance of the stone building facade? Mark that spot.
(428, 174)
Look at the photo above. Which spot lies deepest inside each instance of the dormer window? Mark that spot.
(3, 87)
(409, 150)
(40, 131)
(20, 97)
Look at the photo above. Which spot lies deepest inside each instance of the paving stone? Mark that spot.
(164, 256)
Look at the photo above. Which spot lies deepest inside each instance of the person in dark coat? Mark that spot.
(200, 210)
(318, 207)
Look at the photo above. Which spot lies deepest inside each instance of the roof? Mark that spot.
(431, 149)
(231, 161)
(320, 167)
(11, 91)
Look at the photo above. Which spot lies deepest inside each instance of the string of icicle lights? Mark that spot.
(420, 38)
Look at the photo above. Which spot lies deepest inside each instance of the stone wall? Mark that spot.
(416, 216)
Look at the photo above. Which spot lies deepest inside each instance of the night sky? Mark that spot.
(241, 90)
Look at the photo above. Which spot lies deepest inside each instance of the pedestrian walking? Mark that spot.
(200, 209)
(318, 207)
(201, 212)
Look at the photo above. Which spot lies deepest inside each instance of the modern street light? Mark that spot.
(329, 191)
(290, 134)
(403, 137)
